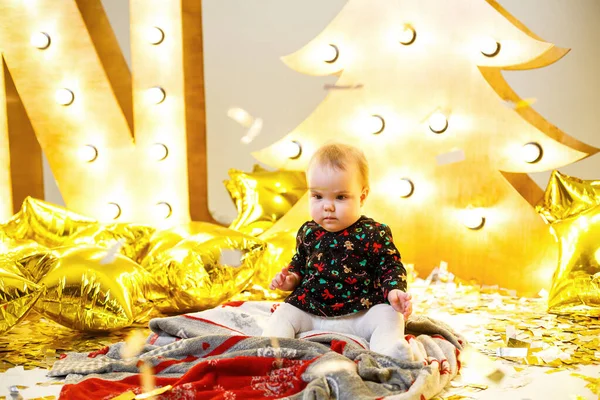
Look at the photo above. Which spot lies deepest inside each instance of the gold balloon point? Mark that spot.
(572, 208)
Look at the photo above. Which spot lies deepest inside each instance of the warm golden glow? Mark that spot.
(473, 218)
(489, 46)
(159, 151)
(531, 153)
(41, 40)
(278, 199)
(111, 211)
(163, 210)
(156, 95)
(64, 97)
(329, 53)
(408, 35)
(291, 150)
(374, 124)
(109, 110)
(155, 35)
(436, 85)
(405, 187)
(438, 122)
(88, 153)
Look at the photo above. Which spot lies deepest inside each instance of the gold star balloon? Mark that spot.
(281, 247)
(87, 294)
(262, 197)
(572, 208)
(23, 255)
(188, 264)
(567, 196)
(134, 239)
(17, 296)
(45, 223)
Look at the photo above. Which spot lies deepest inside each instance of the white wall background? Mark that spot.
(243, 40)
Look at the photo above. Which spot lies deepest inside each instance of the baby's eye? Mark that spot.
(317, 196)
(341, 197)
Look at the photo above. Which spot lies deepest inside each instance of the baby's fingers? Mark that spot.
(276, 282)
(273, 284)
(407, 310)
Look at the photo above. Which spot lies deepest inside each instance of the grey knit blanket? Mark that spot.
(218, 354)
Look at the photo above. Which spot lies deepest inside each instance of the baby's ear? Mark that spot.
(364, 195)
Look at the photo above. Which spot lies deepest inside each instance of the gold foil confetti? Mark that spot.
(134, 343)
(147, 378)
(154, 392)
(125, 396)
(50, 383)
(37, 342)
(558, 342)
(593, 385)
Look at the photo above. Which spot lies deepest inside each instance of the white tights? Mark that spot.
(381, 325)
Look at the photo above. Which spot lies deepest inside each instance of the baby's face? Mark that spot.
(336, 196)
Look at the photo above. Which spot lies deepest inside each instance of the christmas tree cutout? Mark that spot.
(449, 142)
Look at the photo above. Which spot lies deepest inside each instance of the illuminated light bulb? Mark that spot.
(159, 151)
(531, 152)
(155, 35)
(156, 95)
(329, 53)
(438, 122)
(112, 211)
(292, 150)
(489, 47)
(473, 219)
(64, 97)
(41, 40)
(88, 153)
(375, 124)
(164, 210)
(405, 187)
(408, 35)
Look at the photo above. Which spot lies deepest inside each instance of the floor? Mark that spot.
(559, 356)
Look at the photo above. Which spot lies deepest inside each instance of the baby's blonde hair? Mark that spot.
(339, 156)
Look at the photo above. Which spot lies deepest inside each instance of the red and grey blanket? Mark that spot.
(218, 354)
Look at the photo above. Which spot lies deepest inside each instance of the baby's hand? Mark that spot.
(401, 302)
(285, 280)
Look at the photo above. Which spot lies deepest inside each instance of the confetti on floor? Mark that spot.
(496, 322)
(515, 334)
(39, 342)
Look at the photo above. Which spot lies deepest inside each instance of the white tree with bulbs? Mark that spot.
(426, 100)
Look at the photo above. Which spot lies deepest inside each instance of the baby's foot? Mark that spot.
(399, 349)
(404, 350)
(417, 350)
